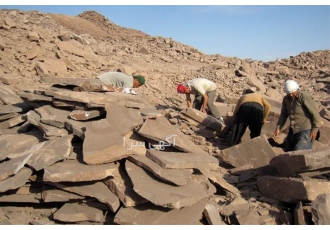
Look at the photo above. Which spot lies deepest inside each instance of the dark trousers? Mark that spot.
(249, 114)
(298, 141)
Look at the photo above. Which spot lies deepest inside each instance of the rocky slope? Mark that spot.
(36, 46)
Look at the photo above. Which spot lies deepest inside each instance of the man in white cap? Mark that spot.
(300, 108)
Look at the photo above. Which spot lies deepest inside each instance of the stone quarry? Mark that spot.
(76, 151)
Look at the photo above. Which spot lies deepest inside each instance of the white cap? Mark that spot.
(290, 86)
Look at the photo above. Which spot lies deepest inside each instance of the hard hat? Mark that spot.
(290, 86)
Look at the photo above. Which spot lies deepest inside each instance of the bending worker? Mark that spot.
(204, 91)
(251, 111)
(119, 79)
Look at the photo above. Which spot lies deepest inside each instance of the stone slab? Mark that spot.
(16, 181)
(291, 163)
(75, 212)
(15, 145)
(121, 185)
(163, 132)
(49, 131)
(103, 144)
(292, 190)
(162, 194)
(175, 176)
(49, 194)
(204, 118)
(12, 166)
(149, 214)
(49, 152)
(82, 115)
(9, 96)
(179, 160)
(321, 209)
(256, 152)
(212, 215)
(35, 97)
(96, 189)
(123, 119)
(74, 171)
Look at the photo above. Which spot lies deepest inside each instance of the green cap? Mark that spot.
(140, 79)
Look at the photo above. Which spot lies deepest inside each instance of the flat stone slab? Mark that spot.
(35, 97)
(163, 132)
(177, 160)
(123, 119)
(49, 194)
(69, 104)
(53, 116)
(103, 144)
(175, 176)
(16, 181)
(204, 118)
(5, 116)
(324, 137)
(77, 128)
(24, 194)
(141, 215)
(163, 194)
(96, 98)
(121, 185)
(212, 215)
(11, 79)
(49, 131)
(321, 209)
(49, 152)
(11, 167)
(15, 108)
(14, 121)
(82, 115)
(15, 145)
(9, 96)
(218, 179)
(83, 97)
(292, 163)
(74, 212)
(256, 152)
(68, 81)
(97, 189)
(292, 190)
(74, 171)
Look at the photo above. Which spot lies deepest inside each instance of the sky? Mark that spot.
(255, 31)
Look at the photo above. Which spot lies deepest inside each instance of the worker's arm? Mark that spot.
(188, 100)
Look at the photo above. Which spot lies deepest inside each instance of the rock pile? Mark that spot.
(108, 157)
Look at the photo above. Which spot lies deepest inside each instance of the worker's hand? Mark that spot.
(265, 121)
(313, 136)
(204, 110)
(276, 132)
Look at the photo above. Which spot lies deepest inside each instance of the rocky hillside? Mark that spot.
(42, 54)
(33, 39)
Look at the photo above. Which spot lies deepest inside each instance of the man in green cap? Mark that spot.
(121, 80)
